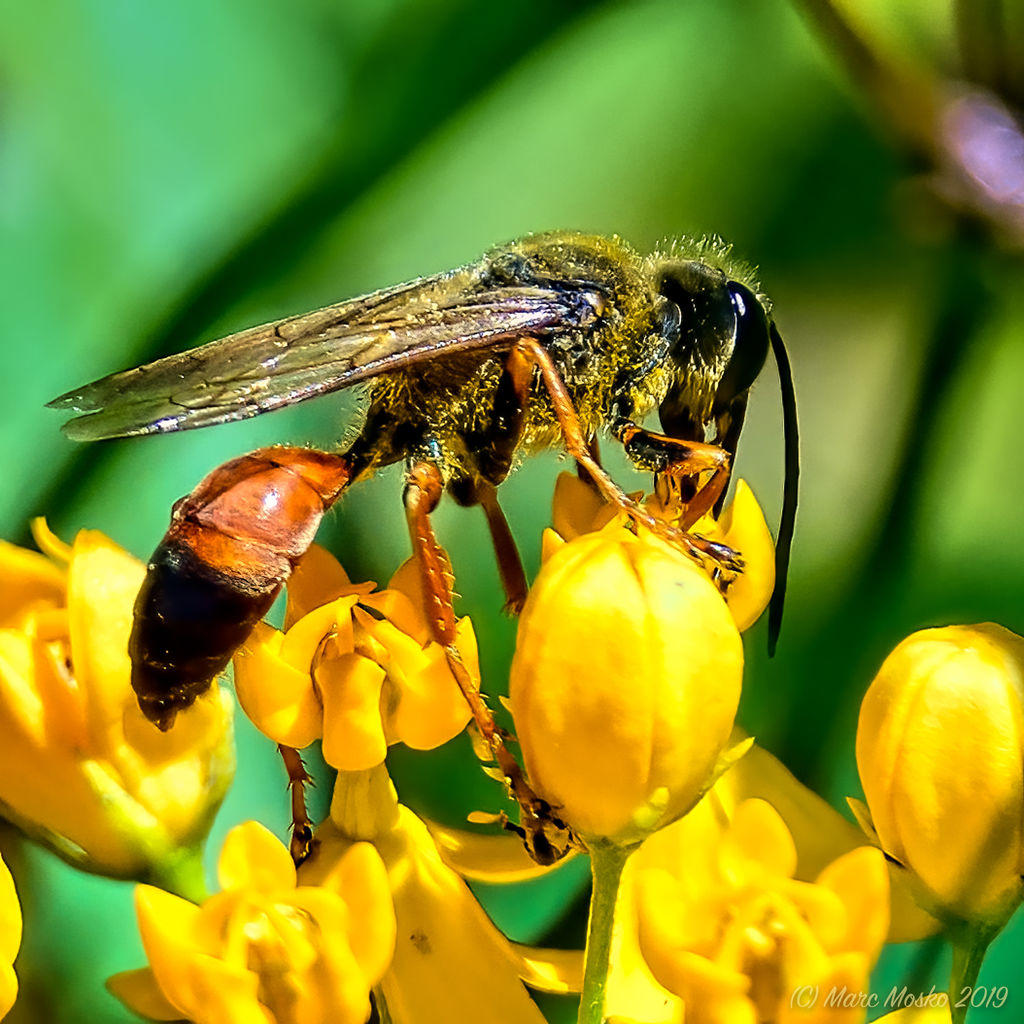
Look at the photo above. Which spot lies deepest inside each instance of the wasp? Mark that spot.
(542, 342)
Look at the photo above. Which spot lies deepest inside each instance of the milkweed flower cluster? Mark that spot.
(80, 768)
(721, 886)
(353, 667)
(266, 948)
(733, 934)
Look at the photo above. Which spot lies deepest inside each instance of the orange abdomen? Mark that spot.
(232, 543)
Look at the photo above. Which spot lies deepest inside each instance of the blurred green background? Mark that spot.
(172, 172)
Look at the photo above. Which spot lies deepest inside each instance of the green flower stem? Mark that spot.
(181, 872)
(969, 948)
(606, 864)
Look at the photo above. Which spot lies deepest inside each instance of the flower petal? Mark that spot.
(483, 857)
(254, 858)
(758, 839)
(303, 641)
(362, 879)
(103, 580)
(861, 880)
(575, 506)
(317, 580)
(139, 991)
(441, 929)
(350, 687)
(278, 698)
(558, 971)
(31, 581)
(167, 924)
(743, 528)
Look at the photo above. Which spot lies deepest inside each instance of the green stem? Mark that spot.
(606, 864)
(969, 947)
(181, 872)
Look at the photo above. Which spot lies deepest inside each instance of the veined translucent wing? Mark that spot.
(287, 361)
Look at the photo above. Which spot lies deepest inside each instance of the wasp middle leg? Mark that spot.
(492, 449)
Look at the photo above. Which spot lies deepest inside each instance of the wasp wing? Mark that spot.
(300, 357)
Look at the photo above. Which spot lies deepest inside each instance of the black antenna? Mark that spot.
(790, 489)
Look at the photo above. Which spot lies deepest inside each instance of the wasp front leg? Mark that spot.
(677, 465)
(679, 461)
(232, 543)
(579, 447)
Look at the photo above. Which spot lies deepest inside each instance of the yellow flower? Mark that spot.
(727, 928)
(940, 750)
(450, 962)
(10, 939)
(624, 684)
(265, 949)
(578, 509)
(80, 768)
(357, 668)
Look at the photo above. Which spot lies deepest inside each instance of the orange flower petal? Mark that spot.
(302, 642)
(317, 580)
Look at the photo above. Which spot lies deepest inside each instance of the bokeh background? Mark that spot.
(171, 172)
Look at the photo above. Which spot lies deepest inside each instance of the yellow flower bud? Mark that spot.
(80, 767)
(578, 509)
(264, 948)
(10, 939)
(624, 683)
(940, 750)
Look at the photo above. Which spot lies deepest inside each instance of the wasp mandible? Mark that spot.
(544, 341)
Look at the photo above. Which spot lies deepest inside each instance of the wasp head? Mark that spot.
(718, 331)
(718, 336)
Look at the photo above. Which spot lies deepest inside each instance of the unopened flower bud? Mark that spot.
(624, 684)
(940, 750)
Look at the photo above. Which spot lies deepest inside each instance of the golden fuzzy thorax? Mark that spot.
(620, 354)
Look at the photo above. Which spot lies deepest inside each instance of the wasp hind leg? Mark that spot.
(491, 450)
(510, 565)
(545, 836)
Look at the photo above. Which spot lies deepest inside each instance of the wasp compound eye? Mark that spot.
(750, 348)
(707, 315)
